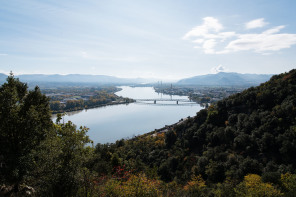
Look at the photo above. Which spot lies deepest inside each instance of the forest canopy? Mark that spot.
(243, 145)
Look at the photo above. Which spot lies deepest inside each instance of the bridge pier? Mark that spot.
(155, 100)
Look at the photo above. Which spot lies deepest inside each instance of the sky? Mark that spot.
(164, 39)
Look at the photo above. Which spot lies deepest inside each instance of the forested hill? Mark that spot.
(226, 79)
(253, 132)
(250, 132)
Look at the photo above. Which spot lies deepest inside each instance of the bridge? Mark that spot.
(163, 100)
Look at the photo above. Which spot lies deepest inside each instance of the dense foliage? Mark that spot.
(24, 121)
(36, 155)
(252, 132)
(243, 145)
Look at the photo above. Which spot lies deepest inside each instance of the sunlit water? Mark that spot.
(111, 123)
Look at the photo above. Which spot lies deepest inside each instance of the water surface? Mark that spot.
(111, 123)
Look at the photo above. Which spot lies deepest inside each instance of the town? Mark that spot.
(200, 94)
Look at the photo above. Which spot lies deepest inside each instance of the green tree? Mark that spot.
(64, 161)
(55, 105)
(24, 121)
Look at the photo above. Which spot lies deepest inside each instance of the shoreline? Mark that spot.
(96, 106)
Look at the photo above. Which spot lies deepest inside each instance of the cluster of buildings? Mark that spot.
(200, 94)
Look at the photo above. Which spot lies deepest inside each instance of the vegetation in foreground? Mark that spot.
(242, 146)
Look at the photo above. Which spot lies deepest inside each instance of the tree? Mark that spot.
(253, 186)
(195, 187)
(24, 121)
(288, 181)
(63, 161)
(55, 105)
(170, 138)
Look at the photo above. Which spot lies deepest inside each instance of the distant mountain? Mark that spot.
(220, 79)
(226, 79)
(42, 79)
(2, 77)
(69, 78)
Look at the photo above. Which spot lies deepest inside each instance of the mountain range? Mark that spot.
(226, 79)
(73, 79)
(219, 79)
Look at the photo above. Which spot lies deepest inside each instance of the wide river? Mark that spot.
(111, 123)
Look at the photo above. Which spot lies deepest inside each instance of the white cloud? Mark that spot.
(199, 41)
(274, 30)
(209, 46)
(257, 23)
(218, 69)
(209, 24)
(262, 43)
(3, 54)
(211, 40)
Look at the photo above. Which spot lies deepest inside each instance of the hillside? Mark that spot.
(226, 79)
(244, 145)
(250, 132)
(253, 132)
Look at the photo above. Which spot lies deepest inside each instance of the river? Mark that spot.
(111, 123)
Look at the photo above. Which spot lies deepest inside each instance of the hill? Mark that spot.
(226, 79)
(252, 132)
(74, 79)
(243, 145)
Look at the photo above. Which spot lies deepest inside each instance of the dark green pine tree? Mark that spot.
(24, 121)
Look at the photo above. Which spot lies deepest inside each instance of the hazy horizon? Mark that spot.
(165, 80)
(168, 40)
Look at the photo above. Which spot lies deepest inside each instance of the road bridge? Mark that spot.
(165, 100)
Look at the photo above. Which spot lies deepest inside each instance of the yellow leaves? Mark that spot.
(111, 188)
(252, 180)
(160, 139)
(161, 135)
(196, 183)
(140, 185)
(289, 182)
(135, 185)
(253, 186)
(285, 179)
(159, 143)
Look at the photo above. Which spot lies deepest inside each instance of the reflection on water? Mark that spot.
(111, 123)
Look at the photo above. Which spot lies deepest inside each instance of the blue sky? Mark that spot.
(167, 39)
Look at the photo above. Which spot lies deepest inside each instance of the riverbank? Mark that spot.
(121, 121)
(96, 106)
(166, 128)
